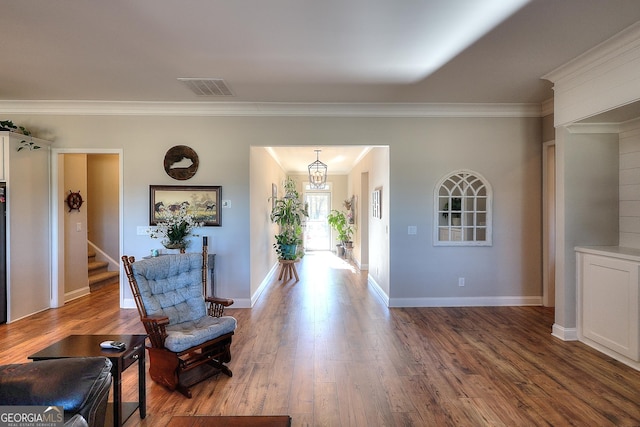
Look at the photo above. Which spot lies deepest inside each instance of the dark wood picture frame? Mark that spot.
(203, 202)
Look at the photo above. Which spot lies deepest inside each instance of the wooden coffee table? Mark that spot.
(89, 346)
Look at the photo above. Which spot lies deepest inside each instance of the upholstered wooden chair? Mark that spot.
(190, 337)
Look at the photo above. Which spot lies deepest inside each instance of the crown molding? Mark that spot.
(602, 79)
(601, 54)
(257, 109)
(547, 107)
(594, 128)
(630, 125)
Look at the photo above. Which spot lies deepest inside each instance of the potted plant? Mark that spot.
(7, 125)
(175, 228)
(339, 222)
(287, 242)
(289, 213)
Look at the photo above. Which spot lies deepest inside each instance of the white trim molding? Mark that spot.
(565, 334)
(603, 78)
(378, 290)
(279, 109)
(584, 128)
(496, 301)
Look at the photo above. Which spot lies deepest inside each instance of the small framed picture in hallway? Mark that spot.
(376, 203)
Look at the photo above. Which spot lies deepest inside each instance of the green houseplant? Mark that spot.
(8, 125)
(175, 228)
(289, 213)
(339, 222)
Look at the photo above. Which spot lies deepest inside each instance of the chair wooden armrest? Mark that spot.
(222, 301)
(155, 327)
(217, 305)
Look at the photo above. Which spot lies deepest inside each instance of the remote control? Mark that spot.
(113, 344)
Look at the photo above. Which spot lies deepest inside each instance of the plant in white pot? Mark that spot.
(339, 222)
(289, 213)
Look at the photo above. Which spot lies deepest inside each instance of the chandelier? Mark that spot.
(317, 172)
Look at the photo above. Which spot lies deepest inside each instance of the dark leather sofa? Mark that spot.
(80, 385)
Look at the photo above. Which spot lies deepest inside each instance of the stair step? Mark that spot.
(97, 265)
(105, 278)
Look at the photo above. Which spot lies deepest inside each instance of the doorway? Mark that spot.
(317, 235)
(66, 224)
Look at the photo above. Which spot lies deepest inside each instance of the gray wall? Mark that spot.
(76, 275)
(506, 151)
(103, 204)
(588, 175)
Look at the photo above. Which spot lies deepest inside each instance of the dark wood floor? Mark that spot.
(327, 352)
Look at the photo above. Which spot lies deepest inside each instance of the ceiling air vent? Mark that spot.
(207, 87)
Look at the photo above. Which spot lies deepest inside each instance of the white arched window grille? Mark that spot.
(462, 203)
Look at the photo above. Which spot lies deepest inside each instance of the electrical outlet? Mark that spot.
(412, 229)
(460, 281)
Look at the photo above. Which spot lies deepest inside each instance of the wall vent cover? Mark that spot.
(207, 87)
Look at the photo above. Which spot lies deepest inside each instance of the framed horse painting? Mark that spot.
(202, 202)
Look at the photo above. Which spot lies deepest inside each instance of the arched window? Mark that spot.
(462, 203)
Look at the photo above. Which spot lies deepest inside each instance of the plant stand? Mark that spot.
(288, 270)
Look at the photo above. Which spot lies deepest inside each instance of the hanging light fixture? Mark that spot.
(317, 172)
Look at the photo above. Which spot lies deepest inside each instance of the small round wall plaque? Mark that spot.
(181, 162)
(74, 200)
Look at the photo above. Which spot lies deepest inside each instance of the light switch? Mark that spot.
(412, 229)
(142, 230)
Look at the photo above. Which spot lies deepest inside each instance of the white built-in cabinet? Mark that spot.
(608, 301)
(27, 177)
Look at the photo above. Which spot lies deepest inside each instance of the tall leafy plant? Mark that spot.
(289, 213)
(339, 222)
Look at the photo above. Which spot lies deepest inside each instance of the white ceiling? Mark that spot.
(339, 159)
(298, 51)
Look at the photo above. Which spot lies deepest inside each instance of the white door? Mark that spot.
(317, 235)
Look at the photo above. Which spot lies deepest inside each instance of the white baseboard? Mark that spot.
(613, 354)
(565, 334)
(265, 282)
(128, 303)
(378, 290)
(70, 296)
(496, 301)
(241, 303)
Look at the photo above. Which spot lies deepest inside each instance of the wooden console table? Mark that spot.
(288, 269)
